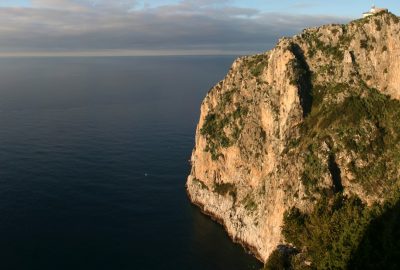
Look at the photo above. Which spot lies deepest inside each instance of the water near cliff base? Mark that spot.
(93, 162)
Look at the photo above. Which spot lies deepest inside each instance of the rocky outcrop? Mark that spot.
(262, 145)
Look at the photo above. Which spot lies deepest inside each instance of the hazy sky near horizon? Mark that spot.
(156, 27)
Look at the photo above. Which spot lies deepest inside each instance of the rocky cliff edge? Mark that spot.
(279, 131)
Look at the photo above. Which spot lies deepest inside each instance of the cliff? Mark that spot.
(287, 129)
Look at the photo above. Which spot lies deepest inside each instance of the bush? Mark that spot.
(342, 233)
(257, 64)
(365, 122)
(330, 233)
(277, 261)
(200, 183)
(225, 188)
(378, 25)
(380, 246)
(216, 122)
(364, 44)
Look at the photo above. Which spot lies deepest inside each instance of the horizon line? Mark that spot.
(126, 53)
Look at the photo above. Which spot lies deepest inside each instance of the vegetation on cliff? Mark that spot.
(216, 122)
(342, 232)
(299, 149)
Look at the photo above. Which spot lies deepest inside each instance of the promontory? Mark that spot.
(297, 149)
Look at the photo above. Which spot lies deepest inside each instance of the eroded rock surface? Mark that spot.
(265, 141)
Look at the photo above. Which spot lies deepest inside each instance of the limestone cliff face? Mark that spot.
(249, 163)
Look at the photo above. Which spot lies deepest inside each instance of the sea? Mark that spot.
(94, 155)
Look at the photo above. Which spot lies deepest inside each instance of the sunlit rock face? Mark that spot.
(250, 161)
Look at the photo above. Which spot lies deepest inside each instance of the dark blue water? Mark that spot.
(93, 161)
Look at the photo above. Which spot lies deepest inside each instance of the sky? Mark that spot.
(168, 27)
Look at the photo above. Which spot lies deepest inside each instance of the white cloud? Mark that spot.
(57, 4)
(53, 26)
(81, 5)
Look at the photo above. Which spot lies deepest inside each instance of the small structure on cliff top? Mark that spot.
(374, 10)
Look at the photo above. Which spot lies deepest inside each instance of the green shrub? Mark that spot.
(216, 122)
(360, 123)
(343, 233)
(213, 130)
(365, 122)
(278, 261)
(249, 203)
(380, 245)
(200, 183)
(315, 45)
(378, 25)
(257, 64)
(330, 233)
(225, 188)
(364, 44)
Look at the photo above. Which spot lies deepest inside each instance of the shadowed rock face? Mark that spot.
(335, 173)
(304, 80)
(258, 151)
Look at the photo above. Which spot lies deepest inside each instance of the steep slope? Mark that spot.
(311, 121)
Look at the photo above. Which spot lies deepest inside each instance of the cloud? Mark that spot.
(67, 26)
(57, 4)
(83, 5)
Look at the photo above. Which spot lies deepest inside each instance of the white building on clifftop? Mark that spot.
(374, 10)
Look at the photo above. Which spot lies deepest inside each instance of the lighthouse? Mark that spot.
(374, 10)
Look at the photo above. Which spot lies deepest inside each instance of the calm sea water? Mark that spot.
(93, 161)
